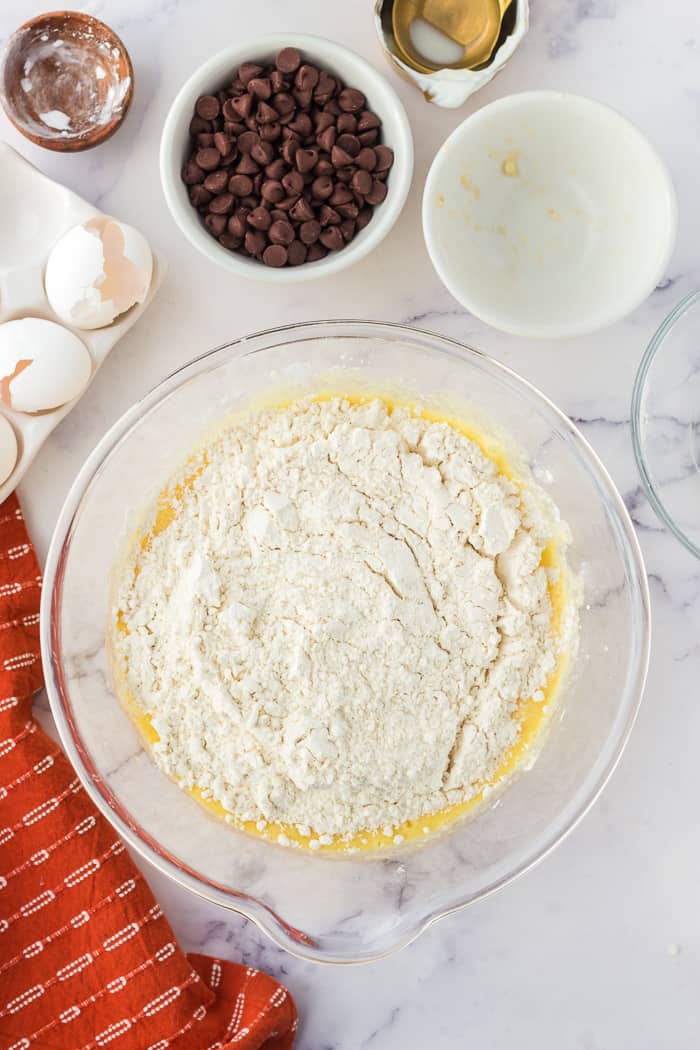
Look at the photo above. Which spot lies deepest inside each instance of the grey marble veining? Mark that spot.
(598, 947)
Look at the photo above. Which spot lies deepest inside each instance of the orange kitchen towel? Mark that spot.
(87, 959)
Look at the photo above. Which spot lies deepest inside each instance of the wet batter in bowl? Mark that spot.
(343, 623)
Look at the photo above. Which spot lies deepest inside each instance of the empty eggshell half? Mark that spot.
(42, 365)
(8, 449)
(97, 271)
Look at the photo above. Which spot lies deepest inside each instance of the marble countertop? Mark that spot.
(599, 946)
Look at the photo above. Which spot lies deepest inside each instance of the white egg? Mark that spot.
(8, 449)
(42, 365)
(97, 271)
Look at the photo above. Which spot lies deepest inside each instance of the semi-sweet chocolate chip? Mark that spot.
(287, 163)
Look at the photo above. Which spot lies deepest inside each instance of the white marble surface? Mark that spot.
(599, 947)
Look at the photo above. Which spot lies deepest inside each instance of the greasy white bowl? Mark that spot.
(356, 72)
(549, 215)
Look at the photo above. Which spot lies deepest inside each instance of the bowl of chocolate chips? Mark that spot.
(287, 158)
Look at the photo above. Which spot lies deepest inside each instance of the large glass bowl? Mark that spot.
(354, 908)
(666, 421)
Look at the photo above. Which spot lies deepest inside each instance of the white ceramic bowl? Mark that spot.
(549, 215)
(352, 69)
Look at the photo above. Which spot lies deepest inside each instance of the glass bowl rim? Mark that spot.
(263, 915)
(655, 346)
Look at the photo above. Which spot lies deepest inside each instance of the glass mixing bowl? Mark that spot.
(352, 908)
(666, 421)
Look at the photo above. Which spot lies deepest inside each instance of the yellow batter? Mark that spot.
(532, 715)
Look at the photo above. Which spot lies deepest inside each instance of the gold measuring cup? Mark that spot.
(474, 25)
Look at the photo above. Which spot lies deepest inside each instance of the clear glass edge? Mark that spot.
(655, 345)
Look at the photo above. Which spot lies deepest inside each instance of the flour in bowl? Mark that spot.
(336, 628)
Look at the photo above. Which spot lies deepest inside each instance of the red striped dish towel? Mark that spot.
(87, 958)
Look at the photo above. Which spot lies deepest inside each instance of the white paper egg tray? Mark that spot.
(34, 212)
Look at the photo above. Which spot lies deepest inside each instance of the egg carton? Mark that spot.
(35, 212)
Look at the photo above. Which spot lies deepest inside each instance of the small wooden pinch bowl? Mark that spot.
(66, 81)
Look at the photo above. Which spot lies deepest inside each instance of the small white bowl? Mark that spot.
(355, 72)
(549, 215)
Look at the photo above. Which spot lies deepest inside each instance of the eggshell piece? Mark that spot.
(42, 365)
(8, 449)
(97, 271)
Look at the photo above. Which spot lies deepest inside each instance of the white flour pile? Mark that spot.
(336, 628)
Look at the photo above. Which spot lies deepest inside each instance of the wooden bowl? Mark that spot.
(66, 81)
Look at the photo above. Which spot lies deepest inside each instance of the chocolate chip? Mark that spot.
(339, 158)
(199, 196)
(332, 238)
(260, 87)
(366, 121)
(289, 148)
(223, 143)
(281, 232)
(301, 211)
(324, 167)
(216, 182)
(240, 185)
(198, 125)
(340, 195)
(350, 143)
(265, 113)
(222, 204)
(248, 71)
(288, 60)
(309, 232)
(284, 103)
(275, 255)
(385, 158)
(229, 111)
(263, 153)
(287, 203)
(243, 106)
(259, 218)
(347, 229)
(215, 223)
(303, 98)
(377, 193)
(368, 138)
(272, 190)
(237, 224)
(247, 140)
(296, 253)
(205, 139)
(363, 218)
(249, 202)
(326, 138)
(323, 120)
(192, 173)
(293, 183)
(208, 159)
(230, 242)
(207, 107)
(351, 100)
(347, 123)
(276, 214)
(361, 182)
(306, 78)
(322, 187)
(328, 216)
(302, 126)
(366, 158)
(276, 169)
(349, 210)
(278, 81)
(316, 252)
(305, 159)
(233, 128)
(255, 242)
(270, 132)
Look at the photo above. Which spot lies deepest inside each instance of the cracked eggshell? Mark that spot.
(450, 88)
(42, 365)
(8, 449)
(97, 271)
